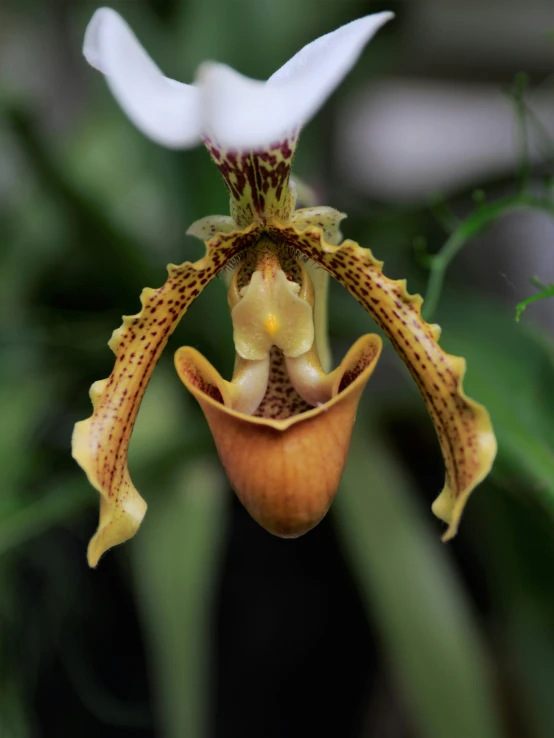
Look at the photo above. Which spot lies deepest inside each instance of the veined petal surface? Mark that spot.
(463, 426)
(245, 114)
(166, 111)
(101, 442)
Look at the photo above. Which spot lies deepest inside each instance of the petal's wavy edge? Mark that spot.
(285, 472)
(463, 426)
(244, 114)
(100, 443)
(166, 111)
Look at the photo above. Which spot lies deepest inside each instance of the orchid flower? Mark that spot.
(282, 424)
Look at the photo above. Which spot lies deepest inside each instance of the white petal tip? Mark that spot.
(244, 113)
(386, 15)
(92, 44)
(164, 110)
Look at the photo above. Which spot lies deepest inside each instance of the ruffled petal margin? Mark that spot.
(100, 443)
(463, 426)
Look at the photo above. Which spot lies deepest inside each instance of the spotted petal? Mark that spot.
(244, 113)
(258, 181)
(463, 426)
(101, 442)
(164, 110)
(324, 217)
(207, 227)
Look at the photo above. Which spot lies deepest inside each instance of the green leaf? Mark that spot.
(544, 293)
(510, 370)
(22, 522)
(175, 565)
(21, 404)
(15, 719)
(413, 593)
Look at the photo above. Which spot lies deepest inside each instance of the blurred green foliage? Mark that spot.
(465, 632)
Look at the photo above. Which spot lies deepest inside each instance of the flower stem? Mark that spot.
(477, 222)
(546, 292)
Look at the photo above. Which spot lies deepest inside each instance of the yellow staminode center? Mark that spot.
(271, 312)
(271, 324)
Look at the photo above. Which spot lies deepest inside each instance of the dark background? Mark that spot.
(205, 625)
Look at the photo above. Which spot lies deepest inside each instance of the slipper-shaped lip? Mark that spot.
(339, 392)
(285, 472)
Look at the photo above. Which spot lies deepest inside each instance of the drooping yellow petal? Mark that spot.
(100, 443)
(463, 426)
(285, 469)
(258, 181)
